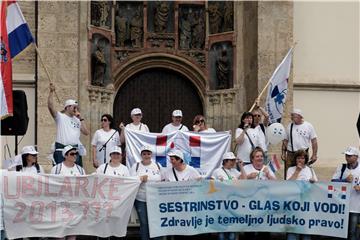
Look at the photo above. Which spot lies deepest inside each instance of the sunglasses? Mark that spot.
(73, 154)
(200, 121)
(104, 120)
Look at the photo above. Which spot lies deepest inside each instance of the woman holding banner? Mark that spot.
(147, 171)
(300, 172)
(114, 167)
(246, 137)
(29, 161)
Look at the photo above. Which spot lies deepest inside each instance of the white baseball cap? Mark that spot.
(297, 111)
(352, 151)
(228, 155)
(176, 153)
(70, 102)
(146, 148)
(29, 150)
(135, 111)
(115, 149)
(177, 113)
(67, 148)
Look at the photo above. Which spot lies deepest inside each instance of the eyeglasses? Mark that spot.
(73, 154)
(104, 120)
(200, 121)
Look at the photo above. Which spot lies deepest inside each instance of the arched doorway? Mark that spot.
(157, 91)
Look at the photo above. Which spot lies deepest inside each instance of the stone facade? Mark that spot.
(261, 37)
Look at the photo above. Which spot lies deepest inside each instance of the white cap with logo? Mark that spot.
(115, 149)
(297, 111)
(67, 148)
(29, 150)
(177, 113)
(176, 153)
(135, 111)
(352, 151)
(228, 155)
(70, 102)
(146, 148)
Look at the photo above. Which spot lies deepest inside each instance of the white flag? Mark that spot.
(203, 151)
(278, 88)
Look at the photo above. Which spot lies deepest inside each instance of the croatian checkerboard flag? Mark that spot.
(278, 88)
(15, 36)
(203, 151)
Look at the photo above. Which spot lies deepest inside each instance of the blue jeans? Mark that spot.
(354, 226)
(230, 236)
(141, 210)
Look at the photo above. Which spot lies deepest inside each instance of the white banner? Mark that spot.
(189, 208)
(203, 151)
(57, 206)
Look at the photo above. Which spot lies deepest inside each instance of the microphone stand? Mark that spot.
(104, 146)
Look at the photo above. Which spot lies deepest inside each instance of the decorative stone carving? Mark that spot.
(161, 16)
(104, 94)
(214, 99)
(101, 13)
(221, 65)
(136, 29)
(100, 61)
(166, 40)
(122, 56)
(215, 17)
(229, 97)
(121, 29)
(191, 27)
(198, 57)
(229, 16)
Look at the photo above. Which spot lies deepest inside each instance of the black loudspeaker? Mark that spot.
(18, 123)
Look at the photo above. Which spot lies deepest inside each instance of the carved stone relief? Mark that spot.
(101, 13)
(160, 17)
(100, 61)
(221, 65)
(221, 16)
(191, 27)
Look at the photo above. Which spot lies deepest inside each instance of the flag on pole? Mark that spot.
(274, 163)
(278, 88)
(15, 36)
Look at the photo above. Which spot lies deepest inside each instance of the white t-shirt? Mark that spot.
(305, 174)
(244, 150)
(32, 169)
(354, 195)
(99, 139)
(209, 130)
(1, 212)
(61, 169)
(121, 170)
(302, 135)
(67, 129)
(261, 175)
(169, 128)
(262, 138)
(189, 173)
(140, 127)
(153, 171)
(225, 174)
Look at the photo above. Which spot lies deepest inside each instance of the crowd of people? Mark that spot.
(250, 161)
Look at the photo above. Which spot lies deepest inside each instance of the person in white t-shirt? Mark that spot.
(114, 167)
(228, 169)
(199, 125)
(261, 122)
(176, 124)
(257, 169)
(29, 161)
(180, 171)
(246, 137)
(103, 140)
(136, 125)
(69, 125)
(147, 171)
(68, 167)
(300, 134)
(304, 173)
(350, 172)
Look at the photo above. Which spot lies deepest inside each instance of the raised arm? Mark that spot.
(51, 101)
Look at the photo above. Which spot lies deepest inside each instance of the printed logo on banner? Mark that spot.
(332, 190)
(195, 151)
(161, 150)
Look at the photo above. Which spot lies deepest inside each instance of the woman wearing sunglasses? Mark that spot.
(103, 140)
(29, 161)
(199, 125)
(68, 167)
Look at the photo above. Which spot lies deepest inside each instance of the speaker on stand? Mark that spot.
(18, 123)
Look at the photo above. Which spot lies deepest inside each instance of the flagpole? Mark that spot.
(267, 84)
(47, 72)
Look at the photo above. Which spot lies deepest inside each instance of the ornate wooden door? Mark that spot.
(157, 92)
